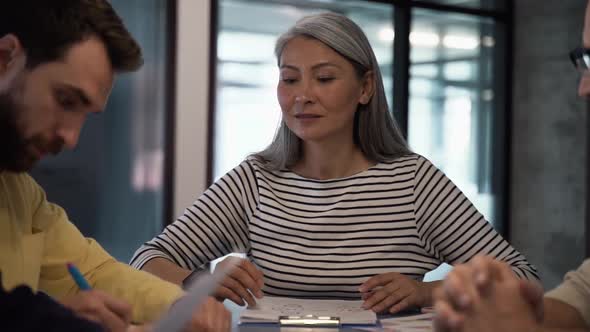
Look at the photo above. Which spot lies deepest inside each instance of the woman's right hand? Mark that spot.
(243, 280)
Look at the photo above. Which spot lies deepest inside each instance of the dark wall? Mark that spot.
(549, 138)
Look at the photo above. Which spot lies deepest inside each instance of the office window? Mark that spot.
(113, 185)
(452, 99)
(476, 4)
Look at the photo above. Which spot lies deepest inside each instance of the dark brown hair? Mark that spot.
(48, 28)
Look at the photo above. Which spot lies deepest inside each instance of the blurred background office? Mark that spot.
(483, 88)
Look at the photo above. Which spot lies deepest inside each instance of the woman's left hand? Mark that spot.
(395, 292)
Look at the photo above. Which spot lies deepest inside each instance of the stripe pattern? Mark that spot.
(323, 238)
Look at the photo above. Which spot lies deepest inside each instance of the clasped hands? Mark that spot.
(485, 295)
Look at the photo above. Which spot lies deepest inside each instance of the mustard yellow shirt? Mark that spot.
(37, 240)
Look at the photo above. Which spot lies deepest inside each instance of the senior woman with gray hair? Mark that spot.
(336, 206)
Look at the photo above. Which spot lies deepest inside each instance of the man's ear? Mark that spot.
(10, 52)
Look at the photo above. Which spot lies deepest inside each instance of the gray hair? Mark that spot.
(375, 131)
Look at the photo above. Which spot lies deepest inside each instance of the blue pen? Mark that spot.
(78, 277)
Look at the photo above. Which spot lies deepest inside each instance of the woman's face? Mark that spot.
(319, 91)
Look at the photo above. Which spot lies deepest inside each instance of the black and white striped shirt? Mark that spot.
(323, 238)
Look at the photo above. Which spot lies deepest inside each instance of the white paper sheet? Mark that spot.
(268, 309)
(410, 323)
(181, 312)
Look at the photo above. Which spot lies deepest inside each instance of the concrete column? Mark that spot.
(548, 138)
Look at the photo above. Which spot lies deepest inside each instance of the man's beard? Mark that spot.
(15, 155)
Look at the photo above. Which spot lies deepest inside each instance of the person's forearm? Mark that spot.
(166, 270)
(431, 286)
(561, 315)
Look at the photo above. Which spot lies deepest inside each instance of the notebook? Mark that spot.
(269, 309)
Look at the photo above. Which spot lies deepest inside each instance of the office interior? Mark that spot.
(482, 88)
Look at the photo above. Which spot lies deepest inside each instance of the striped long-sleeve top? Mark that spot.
(324, 238)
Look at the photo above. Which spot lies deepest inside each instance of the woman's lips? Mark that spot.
(307, 116)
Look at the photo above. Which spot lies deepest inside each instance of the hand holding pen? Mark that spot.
(113, 314)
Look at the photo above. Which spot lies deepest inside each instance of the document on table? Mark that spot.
(269, 308)
(409, 323)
